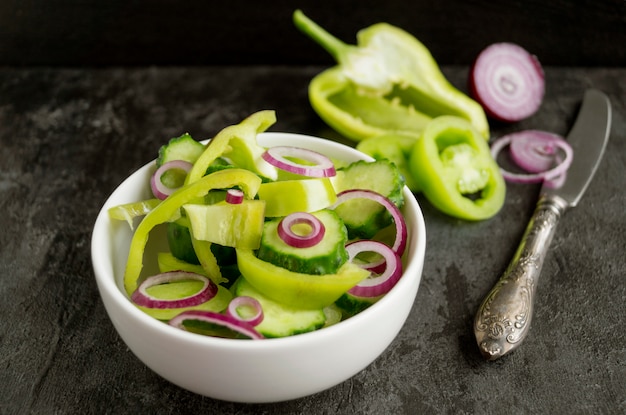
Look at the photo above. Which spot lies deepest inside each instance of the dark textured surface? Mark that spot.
(68, 137)
(166, 32)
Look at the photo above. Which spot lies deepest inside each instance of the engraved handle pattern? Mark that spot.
(504, 317)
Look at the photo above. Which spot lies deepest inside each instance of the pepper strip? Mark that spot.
(208, 261)
(242, 138)
(303, 291)
(129, 211)
(170, 207)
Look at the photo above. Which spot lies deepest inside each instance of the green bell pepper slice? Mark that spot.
(389, 82)
(304, 291)
(169, 209)
(235, 225)
(130, 211)
(455, 170)
(239, 143)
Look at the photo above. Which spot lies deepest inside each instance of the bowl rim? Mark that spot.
(107, 285)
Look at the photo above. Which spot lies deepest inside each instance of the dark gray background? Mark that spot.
(88, 93)
(171, 32)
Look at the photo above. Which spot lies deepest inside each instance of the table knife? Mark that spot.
(503, 319)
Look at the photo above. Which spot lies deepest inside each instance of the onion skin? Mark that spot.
(141, 297)
(383, 283)
(401, 229)
(507, 81)
(224, 320)
(234, 196)
(249, 302)
(534, 150)
(554, 177)
(159, 190)
(301, 241)
(322, 165)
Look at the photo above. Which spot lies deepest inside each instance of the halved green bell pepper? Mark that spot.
(390, 82)
(455, 170)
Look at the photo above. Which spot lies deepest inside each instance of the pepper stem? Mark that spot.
(330, 43)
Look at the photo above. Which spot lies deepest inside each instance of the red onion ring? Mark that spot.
(534, 150)
(399, 244)
(244, 301)
(554, 176)
(321, 166)
(291, 238)
(160, 190)
(142, 298)
(223, 320)
(380, 284)
(234, 196)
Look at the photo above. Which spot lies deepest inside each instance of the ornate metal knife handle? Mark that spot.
(504, 317)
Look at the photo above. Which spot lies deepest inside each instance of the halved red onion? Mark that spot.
(160, 190)
(224, 320)
(507, 81)
(374, 286)
(142, 298)
(543, 142)
(252, 312)
(313, 237)
(234, 196)
(321, 166)
(399, 244)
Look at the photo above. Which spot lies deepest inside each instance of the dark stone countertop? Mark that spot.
(68, 137)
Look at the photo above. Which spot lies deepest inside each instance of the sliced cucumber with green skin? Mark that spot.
(323, 258)
(180, 148)
(351, 304)
(181, 248)
(179, 240)
(281, 320)
(364, 218)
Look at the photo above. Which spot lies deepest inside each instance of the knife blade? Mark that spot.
(503, 319)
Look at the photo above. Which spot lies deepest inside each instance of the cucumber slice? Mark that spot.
(351, 304)
(323, 258)
(364, 218)
(280, 320)
(180, 148)
(179, 240)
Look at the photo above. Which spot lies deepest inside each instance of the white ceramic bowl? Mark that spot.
(268, 370)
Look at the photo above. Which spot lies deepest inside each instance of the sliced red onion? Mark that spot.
(224, 320)
(234, 196)
(399, 244)
(553, 176)
(379, 284)
(533, 150)
(312, 238)
(321, 166)
(245, 302)
(142, 298)
(507, 81)
(160, 190)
